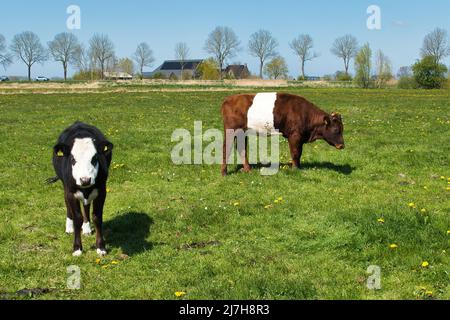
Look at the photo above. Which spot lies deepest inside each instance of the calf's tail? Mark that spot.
(51, 180)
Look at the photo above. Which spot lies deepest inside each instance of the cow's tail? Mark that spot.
(51, 180)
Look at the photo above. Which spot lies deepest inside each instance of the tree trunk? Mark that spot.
(346, 64)
(65, 71)
(261, 69)
(303, 69)
(142, 72)
(220, 70)
(29, 72)
(103, 68)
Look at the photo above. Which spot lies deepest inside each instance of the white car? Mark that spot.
(41, 78)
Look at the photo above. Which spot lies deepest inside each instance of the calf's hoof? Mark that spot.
(77, 253)
(101, 252)
(69, 226)
(86, 228)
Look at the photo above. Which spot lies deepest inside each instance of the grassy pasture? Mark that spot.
(308, 234)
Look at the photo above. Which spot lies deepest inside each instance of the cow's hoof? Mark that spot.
(77, 253)
(69, 226)
(86, 228)
(101, 252)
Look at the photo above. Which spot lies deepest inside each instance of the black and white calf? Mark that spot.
(81, 158)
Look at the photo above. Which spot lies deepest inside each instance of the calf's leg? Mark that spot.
(69, 217)
(98, 222)
(86, 220)
(77, 223)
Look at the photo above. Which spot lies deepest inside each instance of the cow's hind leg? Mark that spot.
(243, 152)
(228, 144)
(86, 220)
(98, 222)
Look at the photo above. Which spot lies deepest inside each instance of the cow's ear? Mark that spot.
(106, 147)
(61, 150)
(326, 120)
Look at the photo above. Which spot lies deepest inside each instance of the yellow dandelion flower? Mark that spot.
(105, 266)
(276, 201)
(423, 210)
(429, 293)
(179, 294)
(268, 206)
(236, 204)
(114, 262)
(280, 199)
(448, 188)
(442, 178)
(425, 264)
(97, 261)
(108, 190)
(381, 220)
(448, 232)
(411, 205)
(393, 246)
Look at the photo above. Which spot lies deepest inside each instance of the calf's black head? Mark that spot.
(84, 159)
(333, 130)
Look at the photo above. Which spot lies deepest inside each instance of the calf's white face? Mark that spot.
(84, 160)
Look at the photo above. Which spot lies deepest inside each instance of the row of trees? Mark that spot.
(222, 43)
(66, 49)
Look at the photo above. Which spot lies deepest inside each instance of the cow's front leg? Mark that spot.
(296, 148)
(98, 221)
(77, 223)
(86, 220)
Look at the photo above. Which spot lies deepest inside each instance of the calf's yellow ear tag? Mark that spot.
(60, 153)
(105, 149)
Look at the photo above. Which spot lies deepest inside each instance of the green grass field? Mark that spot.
(186, 229)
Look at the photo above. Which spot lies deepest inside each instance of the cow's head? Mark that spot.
(333, 130)
(86, 158)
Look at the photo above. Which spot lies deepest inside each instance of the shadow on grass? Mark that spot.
(345, 169)
(129, 231)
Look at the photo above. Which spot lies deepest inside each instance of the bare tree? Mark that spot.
(101, 49)
(345, 48)
(143, 57)
(302, 47)
(383, 69)
(181, 53)
(363, 66)
(27, 47)
(82, 60)
(262, 45)
(5, 56)
(436, 44)
(64, 49)
(222, 43)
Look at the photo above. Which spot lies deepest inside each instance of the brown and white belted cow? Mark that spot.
(293, 116)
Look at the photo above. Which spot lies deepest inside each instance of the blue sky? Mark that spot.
(163, 23)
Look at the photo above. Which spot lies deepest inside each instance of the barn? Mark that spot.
(174, 68)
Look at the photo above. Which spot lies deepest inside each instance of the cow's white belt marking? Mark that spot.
(260, 114)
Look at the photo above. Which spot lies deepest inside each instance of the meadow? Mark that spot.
(185, 232)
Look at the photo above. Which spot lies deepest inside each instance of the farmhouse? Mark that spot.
(174, 68)
(236, 71)
(117, 76)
